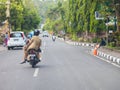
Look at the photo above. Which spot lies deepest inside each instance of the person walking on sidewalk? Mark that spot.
(6, 39)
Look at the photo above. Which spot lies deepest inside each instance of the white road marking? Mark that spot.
(44, 44)
(36, 72)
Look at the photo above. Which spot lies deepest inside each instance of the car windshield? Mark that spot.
(15, 35)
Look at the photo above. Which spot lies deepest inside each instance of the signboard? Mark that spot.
(110, 31)
(98, 16)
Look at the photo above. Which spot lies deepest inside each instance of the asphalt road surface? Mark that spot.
(63, 67)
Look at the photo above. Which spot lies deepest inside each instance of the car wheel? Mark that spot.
(8, 48)
(12, 47)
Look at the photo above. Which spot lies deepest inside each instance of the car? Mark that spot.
(45, 34)
(16, 39)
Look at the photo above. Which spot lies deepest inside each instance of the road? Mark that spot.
(63, 67)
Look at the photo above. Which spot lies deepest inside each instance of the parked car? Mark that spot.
(16, 39)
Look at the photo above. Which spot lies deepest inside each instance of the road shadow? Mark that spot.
(17, 48)
(43, 66)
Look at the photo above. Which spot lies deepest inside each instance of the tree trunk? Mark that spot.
(118, 15)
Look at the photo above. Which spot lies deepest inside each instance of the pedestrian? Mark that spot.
(6, 39)
(102, 43)
(64, 37)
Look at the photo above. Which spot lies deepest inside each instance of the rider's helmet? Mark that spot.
(36, 32)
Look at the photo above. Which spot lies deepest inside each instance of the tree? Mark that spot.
(16, 16)
(23, 15)
(30, 15)
(2, 11)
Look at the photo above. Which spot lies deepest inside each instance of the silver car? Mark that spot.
(17, 39)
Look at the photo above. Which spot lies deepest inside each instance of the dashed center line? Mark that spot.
(36, 72)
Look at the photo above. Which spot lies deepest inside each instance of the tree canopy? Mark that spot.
(23, 14)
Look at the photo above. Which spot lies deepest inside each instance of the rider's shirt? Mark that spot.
(36, 42)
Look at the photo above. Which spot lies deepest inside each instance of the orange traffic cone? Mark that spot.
(95, 50)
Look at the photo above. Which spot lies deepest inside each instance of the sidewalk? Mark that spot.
(2, 48)
(110, 52)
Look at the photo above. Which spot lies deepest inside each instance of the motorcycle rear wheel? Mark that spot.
(33, 66)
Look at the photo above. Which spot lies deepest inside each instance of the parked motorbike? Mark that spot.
(32, 57)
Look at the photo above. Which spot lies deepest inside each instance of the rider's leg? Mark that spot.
(25, 56)
(38, 56)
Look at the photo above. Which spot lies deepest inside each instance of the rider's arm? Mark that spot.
(40, 43)
(39, 49)
(30, 42)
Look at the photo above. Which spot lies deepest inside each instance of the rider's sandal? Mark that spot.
(23, 61)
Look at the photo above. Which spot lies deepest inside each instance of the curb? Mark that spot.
(108, 57)
(80, 44)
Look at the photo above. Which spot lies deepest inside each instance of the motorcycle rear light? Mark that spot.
(32, 52)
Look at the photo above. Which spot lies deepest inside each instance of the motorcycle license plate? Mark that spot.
(32, 56)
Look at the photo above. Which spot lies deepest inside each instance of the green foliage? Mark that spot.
(96, 40)
(116, 36)
(78, 16)
(23, 14)
(31, 16)
(112, 44)
(57, 18)
(81, 13)
(1, 40)
(16, 17)
(48, 24)
(2, 10)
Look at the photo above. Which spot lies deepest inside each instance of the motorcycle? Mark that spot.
(53, 38)
(32, 57)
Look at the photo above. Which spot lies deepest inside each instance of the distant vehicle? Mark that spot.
(16, 39)
(40, 31)
(53, 38)
(45, 34)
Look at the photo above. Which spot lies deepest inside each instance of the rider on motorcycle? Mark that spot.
(34, 43)
(53, 37)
